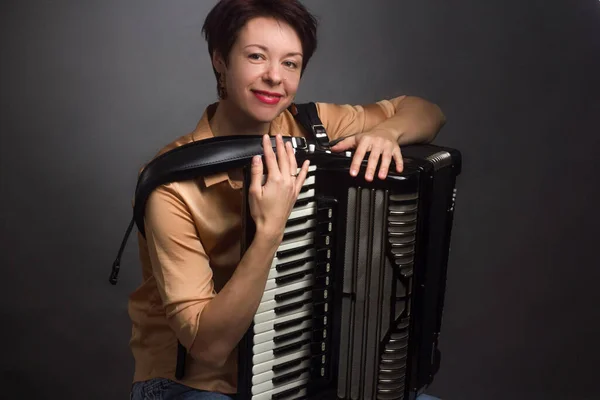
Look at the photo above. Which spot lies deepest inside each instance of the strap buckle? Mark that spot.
(321, 136)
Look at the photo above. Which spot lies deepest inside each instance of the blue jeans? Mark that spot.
(164, 389)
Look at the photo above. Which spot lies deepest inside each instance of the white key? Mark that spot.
(311, 223)
(270, 325)
(270, 335)
(270, 386)
(270, 294)
(311, 252)
(268, 355)
(271, 304)
(270, 346)
(290, 246)
(267, 376)
(294, 242)
(268, 394)
(270, 315)
(273, 273)
(311, 168)
(310, 180)
(268, 366)
(304, 210)
(272, 284)
(309, 194)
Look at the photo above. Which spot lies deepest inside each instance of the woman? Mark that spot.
(196, 288)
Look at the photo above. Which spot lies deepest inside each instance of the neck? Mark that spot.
(227, 122)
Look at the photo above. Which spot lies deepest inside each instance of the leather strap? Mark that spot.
(307, 115)
(205, 157)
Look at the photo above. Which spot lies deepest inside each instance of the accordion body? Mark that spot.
(352, 307)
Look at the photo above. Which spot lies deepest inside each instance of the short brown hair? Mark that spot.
(228, 17)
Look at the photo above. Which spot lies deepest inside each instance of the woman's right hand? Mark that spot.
(272, 203)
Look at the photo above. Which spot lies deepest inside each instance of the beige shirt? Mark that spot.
(192, 247)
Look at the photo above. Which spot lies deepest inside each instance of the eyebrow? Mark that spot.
(260, 46)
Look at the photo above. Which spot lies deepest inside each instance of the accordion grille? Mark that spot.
(377, 285)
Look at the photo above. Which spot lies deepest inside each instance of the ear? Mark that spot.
(218, 62)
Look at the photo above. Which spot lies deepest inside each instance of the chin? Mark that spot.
(267, 114)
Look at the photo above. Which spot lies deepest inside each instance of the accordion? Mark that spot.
(352, 307)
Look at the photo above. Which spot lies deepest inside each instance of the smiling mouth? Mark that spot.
(267, 98)
(267, 94)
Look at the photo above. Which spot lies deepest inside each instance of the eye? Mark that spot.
(291, 64)
(255, 56)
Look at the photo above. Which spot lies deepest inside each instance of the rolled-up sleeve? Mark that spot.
(179, 262)
(342, 120)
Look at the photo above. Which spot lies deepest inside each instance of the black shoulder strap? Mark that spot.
(204, 157)
(307, 115)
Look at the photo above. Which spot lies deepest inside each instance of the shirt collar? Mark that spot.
(203, 131)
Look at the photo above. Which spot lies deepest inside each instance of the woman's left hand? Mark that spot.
(380, 143)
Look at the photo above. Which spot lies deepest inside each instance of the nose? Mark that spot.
(272, 74)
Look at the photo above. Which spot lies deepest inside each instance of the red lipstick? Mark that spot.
(267, 97)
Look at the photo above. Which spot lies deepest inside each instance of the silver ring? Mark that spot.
(294, 175)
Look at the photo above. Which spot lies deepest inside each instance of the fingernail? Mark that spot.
(256, 160)
(353, 172)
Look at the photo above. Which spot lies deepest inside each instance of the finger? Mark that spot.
(386, 159)
(256, 171)
(346, 144)
(359, 154)
(282, 157)
(372, 163)
(397, 154)
(270, 160)
(291, 158)
(302, 176)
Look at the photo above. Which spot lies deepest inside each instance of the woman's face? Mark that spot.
(264, 68)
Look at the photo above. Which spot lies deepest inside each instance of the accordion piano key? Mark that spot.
(284, 321)
(287, 349)
(299, 295)
(299, 264)
(302, 364)
(272, 334)
(291, 309)
(286, 391)
(272, 346)
(273, 364)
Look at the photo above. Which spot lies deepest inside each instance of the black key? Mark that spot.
(291, 294)
(291, 307)
(296, 276)
(291, 252)
(298, 233)
(290, 347)
(289, 364)
(286, 394)
(291, 323)
(289, 376)
(299, 220)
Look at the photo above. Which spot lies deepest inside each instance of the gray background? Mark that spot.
(91, 90)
